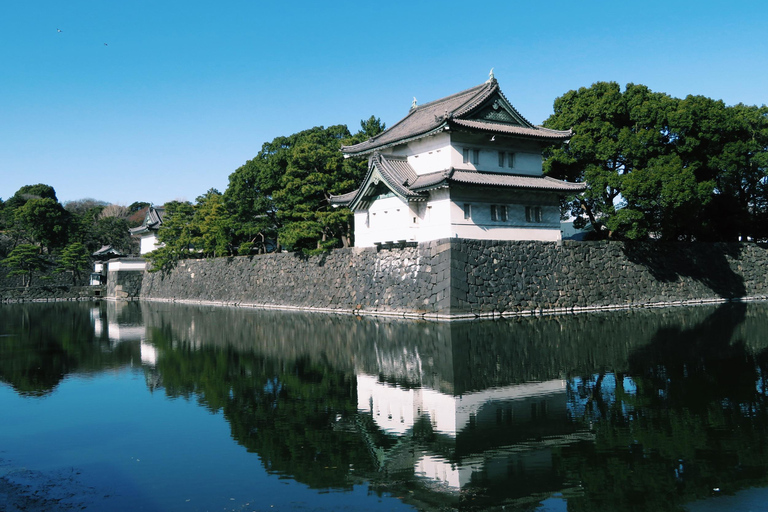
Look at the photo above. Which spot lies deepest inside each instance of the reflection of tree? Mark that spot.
(42, 343)
(688, 417)
(298, 416)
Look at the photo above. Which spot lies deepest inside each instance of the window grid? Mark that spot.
(533, 214)
(499, 213)
(471, 156)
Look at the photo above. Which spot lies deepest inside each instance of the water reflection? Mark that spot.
(640, 410)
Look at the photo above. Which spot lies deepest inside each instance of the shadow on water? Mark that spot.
(627, 410)
(705, 263)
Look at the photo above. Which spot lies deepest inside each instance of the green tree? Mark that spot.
(25, 260)
(249, 202)
(45, 221)
(690, 169)
(27, 192)
(211, 225)
(113, 231)
(283, 192)
(17, 231)
(76, 259)
(177, 235)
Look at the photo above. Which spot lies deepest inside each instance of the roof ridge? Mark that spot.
(450, 97)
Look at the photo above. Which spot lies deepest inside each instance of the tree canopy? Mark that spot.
(663, 167)
(283, 192)
(24, 260)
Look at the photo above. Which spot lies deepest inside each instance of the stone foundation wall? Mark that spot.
(456, 278)
(411, 280)
(515, 277)
(49, 293)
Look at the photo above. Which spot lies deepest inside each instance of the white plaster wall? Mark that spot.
(136, 265)
(388, 220)
(469, 405)
(395, 409)
(392, 220)
(429, 154)
(481, 227)
(149, 243)
(527, 161)
(446, 472)
(435, 216)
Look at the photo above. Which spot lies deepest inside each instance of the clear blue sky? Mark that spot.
(184, 92)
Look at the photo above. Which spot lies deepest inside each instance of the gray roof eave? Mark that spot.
(442, 126)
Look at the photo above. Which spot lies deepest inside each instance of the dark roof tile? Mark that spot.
(433, 117)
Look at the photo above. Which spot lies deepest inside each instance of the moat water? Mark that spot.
(163, 407)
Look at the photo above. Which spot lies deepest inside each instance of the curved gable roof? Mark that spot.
(482, 107)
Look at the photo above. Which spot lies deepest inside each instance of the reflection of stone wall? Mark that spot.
(471, 277)
(457, 357)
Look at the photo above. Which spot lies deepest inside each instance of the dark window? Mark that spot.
(533, 214)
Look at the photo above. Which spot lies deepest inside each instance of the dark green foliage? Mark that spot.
(43, 343)
(113, 231)
(662, 167)
(136, 206)
(283, 192)
(25, 260)
(76, 259)
(27, 192)
(176, 234)
(212, 225)
(200, 230)
(45, 220)
(283, 410)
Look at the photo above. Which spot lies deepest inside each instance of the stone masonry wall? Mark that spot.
(454, 278)
(409, 280)
(124, 284)
(514, 277)
(49, 293)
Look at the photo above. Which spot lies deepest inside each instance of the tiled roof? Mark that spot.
(394, 171)
(397, 172)
(538, 132)
(107, 250)
(420, 120)
(343, 199)
(433, 117)
(435, 179)
(401, 179)
(515, 181)
(152, 221)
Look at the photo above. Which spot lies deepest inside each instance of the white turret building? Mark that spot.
(464, 166)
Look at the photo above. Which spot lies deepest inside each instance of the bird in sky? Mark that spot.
(105, 44)
(59, 30)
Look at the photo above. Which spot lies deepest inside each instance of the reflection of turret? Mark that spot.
(395, 409)
(485, 435)
(476, 413)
